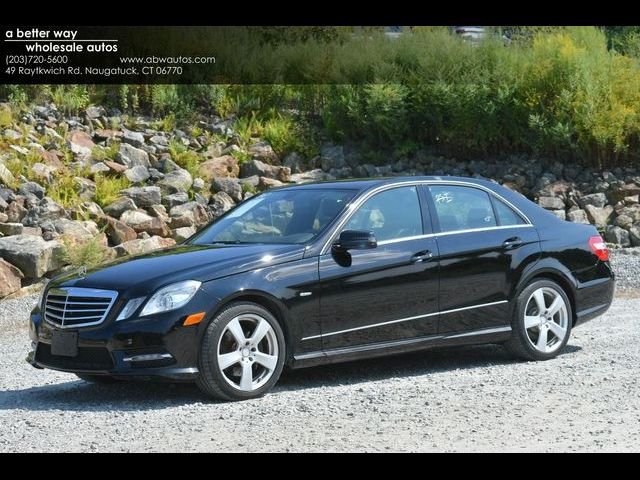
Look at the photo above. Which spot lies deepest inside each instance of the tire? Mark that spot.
(540, 335)
(232, 371)
(104, 379)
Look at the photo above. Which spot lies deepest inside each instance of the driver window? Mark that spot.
(391, 214)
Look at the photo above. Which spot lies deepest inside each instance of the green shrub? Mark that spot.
(65, 190)
(70, 99)
(6, 117)
(108, 188)
(90, 253)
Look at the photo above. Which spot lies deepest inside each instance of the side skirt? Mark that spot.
(345, 354)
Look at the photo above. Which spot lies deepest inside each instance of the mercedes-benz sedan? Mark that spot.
(319, 273)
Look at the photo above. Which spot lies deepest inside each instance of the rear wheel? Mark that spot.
(242, 353)
(96, 378)
(542, 321)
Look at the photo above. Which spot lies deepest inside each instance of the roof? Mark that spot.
(367, 183)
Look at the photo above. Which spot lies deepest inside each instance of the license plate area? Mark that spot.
(64, 344)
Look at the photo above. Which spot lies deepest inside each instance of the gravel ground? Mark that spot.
(460, 399)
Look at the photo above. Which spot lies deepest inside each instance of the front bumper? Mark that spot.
(158, 346)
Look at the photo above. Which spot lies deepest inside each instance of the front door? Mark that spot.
(389, 292)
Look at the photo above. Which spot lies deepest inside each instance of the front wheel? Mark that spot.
(242, 353)
(542, 321)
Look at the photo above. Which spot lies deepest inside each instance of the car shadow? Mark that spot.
(78, 395)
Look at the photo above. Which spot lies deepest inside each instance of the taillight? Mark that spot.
(599, 247)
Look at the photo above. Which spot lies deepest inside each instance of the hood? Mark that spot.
(146, 273)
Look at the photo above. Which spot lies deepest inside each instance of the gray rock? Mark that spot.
(94, 112)
(137, 174)
(600, 217)
(32, 188)
(15, 212)
(159, 140)
(99, 167)
(198, 184)
(230, 186)
(551, 203)
(6, 176)
(316, 175)
(561, 214)
(133, 138)
(33, 255)
(140, 246)
(181, 234)
(577, 216)
(155, 175)
(220, 203)
(70, 228)
(175, 199)
(294, 162)
(596, 199)
(9, 229)
(634, 235)
(176, 181)
(620, 236)
(119, 232)
(10, 278)
(190, 214)
(132, 156)
(332, 156)
(119, 206)
(144, 196)
(262, 151)
(141, 221)
(47, 209)
(261, 169)
(624, 221)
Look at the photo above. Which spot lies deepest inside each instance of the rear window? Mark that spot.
(506, 215)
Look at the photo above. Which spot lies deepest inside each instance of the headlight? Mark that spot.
(171, 297)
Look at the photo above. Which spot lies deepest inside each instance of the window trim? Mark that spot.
(420, 184)
(354, 207)
(492, 197)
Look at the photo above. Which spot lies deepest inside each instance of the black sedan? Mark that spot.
(320, 273)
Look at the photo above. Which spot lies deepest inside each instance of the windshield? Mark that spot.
(281, 216)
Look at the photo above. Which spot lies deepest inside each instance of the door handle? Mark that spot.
(423, 256)
(512, 242)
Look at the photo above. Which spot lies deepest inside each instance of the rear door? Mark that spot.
(483, 244)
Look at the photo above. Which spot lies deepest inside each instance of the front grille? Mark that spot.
(88, 358)
(69, 307)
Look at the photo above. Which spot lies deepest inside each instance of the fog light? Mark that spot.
(150, 357)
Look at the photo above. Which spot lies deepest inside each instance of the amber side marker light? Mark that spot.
(193, 319)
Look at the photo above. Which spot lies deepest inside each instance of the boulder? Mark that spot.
(561, 214)
(141, 221)
(119, 206)
(175, 199)
(80, 143)
(10, 278)
(220, 203)
(261, 169)
(137, 174)
(332, 156)
(596, 199)
(144, 196)
(230, 186)
(6, 176)
(182, 233)
(577, 216)
(115, 167)
(33, 255)
(624, 221)
(190, 214)
(617, 235)
(47, 209)
(72, 229)
(262, 151)
(600, 217)
(9, 229)
(140, 246)
(176, 181)
(131, 156)
(106, 134)
(267, 183)
(551, 203)
(42, 172)
(31, 188)
(133, 138)
(294, 162)
(158, 211)
(89, 210)
(220, 167)
(634, 235)
(52, 159)
(119, 232)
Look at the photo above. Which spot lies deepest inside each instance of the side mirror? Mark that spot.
(355, 240)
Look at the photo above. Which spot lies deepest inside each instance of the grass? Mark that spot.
(70, 99)
(65, 191)
(6, 117)
(108, 188)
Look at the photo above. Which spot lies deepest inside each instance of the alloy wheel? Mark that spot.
(546, 319)
(247, 352)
